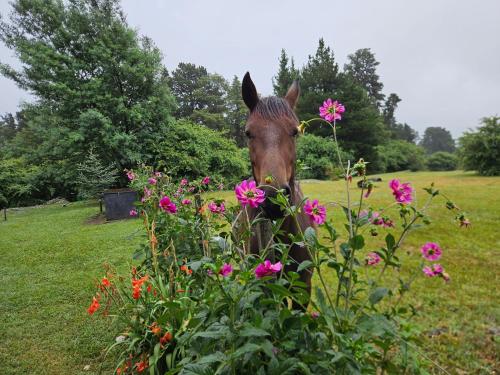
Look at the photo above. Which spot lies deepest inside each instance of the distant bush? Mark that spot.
(17, 183)
(397, 155)
(314, 154)
(480, 150)
(193, 151)
(442, 161)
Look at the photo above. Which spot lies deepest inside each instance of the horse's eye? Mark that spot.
(295, 132)
(247, 133)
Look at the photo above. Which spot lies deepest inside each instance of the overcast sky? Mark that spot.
(441, 57)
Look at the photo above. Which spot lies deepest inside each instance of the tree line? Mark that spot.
(102, 95)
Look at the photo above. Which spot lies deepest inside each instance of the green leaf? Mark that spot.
(247, 348)
(377, 295)
(304, 265)
(310, 236)
(357, 242)
(390, 242)
(253, 332)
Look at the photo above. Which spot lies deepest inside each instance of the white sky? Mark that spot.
(442, 57)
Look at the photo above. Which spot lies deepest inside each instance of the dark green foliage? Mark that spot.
(362, 67)
(437, 139)
(480, 150)
(286, 75)
(237, 113)
(390, 106)
(17, 183)
(317, 157)
(94, 177)
(442, 161)
(401, 155)
(193, 151)
(96, 83)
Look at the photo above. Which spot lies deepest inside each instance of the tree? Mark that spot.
(362, 67)
(390, 106)
(237, 113)
(286, 75)
(480, 150)
(96, 83)
(442, 161)
(185, 84)
(437, 139)
(403, 132)
(94, 177)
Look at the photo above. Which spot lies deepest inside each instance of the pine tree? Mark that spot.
(94, 177)
(286, 75)
(236, 113)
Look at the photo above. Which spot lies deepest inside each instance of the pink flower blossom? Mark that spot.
(315, 315)
(402, 192)
(191, 189)
(226, 270)
(184, 182)
(437, 268)
(216, 208)
(133, 212)
(248, 194)
(315, 211)
(331, 110)
(382, 221)
(267, 269)
(428, 271)
(186, 202)
(158, 174)
(152, 181)
(372, 259)
(147, 192)
(431, 251)
(131, 175)
(206, 180)
(167, 205)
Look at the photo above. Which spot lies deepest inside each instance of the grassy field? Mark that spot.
(50, 257)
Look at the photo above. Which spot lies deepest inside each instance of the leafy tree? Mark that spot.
(94, 177)
(437, 139)
(315, 157)
(96, 82)
(480, 150)
(442, 161)
(390, 106)
(236, 113)
(186, 86)
(362, 67)
(193, 151)
(398, 155)
(17, 183)
(286, 75)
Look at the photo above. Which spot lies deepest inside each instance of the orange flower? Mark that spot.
(93, 306)
(167, 337)
(155, 329)
(137, 285)
(186, 269)
(105, 282)
(141, 366)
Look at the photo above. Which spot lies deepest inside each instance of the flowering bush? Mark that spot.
(200, 304)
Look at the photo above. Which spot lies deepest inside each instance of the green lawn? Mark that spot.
(50, 258)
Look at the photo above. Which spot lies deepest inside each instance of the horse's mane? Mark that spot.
(274, 108)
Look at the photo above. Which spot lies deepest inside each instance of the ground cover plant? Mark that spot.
(461, 317)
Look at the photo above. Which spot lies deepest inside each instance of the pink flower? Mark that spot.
(428, 271)
(267, 269)
(221, 186)
(247, 193)
(147, 192)
(133, 212)
(184, 182)
(315, 211)
(158, 174)
(226, 270)
(186, 202)
(152, 181)
(167, 205)
(437, 268)
(331, 110)
(431, 251)
(315, 315)
(373, 259)
(402, 192)
(131, 175)
(206, 180)
(191, 189)
(216, 208)
(383, 221)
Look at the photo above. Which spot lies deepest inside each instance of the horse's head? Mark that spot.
(272, 128)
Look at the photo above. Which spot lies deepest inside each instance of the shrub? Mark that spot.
(313, 154)
(397, 155)
(442, 161)
(480, 150)
(18, 183)
(94, 177)
(194, 151)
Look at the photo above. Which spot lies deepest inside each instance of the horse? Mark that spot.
(272, 130)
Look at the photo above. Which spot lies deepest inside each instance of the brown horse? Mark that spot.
(272, 129)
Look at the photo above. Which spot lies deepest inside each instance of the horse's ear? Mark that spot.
(293, 94)
(249, 92)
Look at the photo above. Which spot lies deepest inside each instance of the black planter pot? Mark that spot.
(118, 203)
